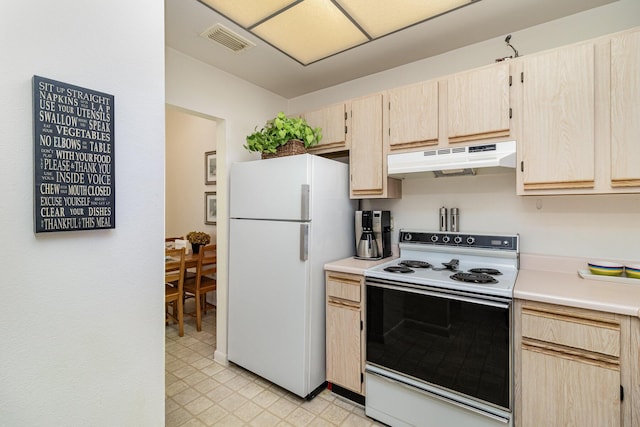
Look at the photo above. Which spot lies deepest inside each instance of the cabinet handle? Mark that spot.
(336, 302)
(568, 353)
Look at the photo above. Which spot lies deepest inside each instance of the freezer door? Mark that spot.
(269, 302)
(271, 189)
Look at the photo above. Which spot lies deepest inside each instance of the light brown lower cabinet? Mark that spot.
(574, 367)
(345, 352)
(563, 389)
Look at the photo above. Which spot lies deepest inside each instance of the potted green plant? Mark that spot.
(197, 239)
(273, 140)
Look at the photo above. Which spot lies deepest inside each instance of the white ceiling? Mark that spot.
(271, 69)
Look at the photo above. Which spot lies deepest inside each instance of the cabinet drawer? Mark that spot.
(594, 334)
(344, 287)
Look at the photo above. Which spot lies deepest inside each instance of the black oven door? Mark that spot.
(455, 340)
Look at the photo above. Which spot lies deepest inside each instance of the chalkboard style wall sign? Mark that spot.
(74, 157)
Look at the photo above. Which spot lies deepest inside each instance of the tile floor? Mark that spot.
(201, 392)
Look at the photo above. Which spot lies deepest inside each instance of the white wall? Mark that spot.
(240, 107)
(593, 226)
(82, 319)
(188, 137)
(583, 226)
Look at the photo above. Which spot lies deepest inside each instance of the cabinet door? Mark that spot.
(625, 110)
(413, 115)
(568, 391)
(558, 119)
(478, 104)
(332, 121)
(366, 155)
(343, 346)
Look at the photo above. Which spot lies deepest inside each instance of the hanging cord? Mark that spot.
(507, 40)
(515, 52)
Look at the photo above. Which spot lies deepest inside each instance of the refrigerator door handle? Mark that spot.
(304, 242)
(304, 198)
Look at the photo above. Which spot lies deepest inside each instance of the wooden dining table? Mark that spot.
(190, 261)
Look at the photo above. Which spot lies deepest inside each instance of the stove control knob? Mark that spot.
(471, 240)
(446, 239)
(407, 237)
(434, 238)
(457, 240)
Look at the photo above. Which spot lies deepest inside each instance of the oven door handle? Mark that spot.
(429, 291)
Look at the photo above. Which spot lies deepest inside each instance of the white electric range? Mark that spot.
(439, 334)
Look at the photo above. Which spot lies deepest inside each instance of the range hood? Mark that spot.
(453, 160)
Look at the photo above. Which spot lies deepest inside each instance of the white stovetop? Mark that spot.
(442, 278)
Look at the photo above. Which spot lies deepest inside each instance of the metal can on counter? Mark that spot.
(455, 220)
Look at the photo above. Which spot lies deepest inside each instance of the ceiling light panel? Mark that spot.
(247, 12)
(310, 30)
(381, 17)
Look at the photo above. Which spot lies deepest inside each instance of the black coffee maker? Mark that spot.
(373, 234)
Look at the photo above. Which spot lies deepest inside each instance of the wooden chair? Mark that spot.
(174, 286)
(204, 282)
(170, 243)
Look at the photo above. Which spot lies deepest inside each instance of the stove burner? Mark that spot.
(479, 278)
(398, 269)
(415, 264)
(491, 271)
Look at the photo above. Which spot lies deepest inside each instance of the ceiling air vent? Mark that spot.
(227, 38)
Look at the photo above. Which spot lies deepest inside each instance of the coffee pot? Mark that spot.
(367, 246)
(373, 234)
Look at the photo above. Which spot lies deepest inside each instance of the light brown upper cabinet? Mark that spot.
(413, 115)
(574, 112)
(625, 110)
(367, 157)
(558, 135)
(333, 122)
(580, 132)
(478, 104)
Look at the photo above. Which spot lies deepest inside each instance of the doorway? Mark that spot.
(191, 185)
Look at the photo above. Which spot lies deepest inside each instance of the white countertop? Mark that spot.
(358, 266)
(555, 280)
(550, 279)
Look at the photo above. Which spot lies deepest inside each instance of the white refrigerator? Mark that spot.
(289, 216)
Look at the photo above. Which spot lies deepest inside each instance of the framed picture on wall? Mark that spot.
(210, 167)
(210, 208)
